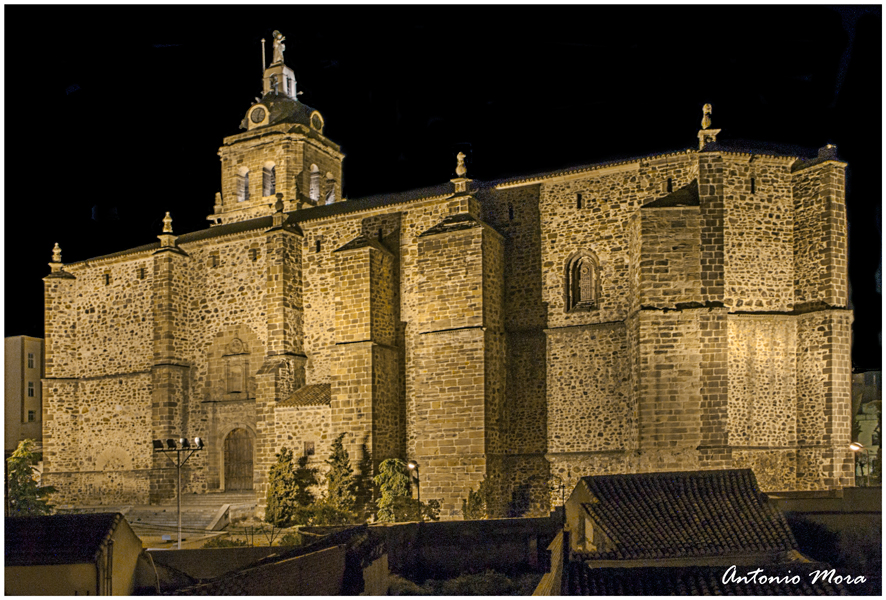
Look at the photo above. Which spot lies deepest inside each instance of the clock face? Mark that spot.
(258, 115)
(317, 121)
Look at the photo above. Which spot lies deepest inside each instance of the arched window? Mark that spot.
(243, 185)
(315, 183)
(269, 179)
(330, 189)
(582, 280)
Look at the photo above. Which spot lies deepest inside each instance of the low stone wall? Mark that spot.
(207, 563)
(838, 510)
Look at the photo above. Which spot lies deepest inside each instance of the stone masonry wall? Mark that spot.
(762, 380)
(669, 393)
(669, 268)
(601, 225)
(758, 233)
(112, 322)
(448, 422)
(820, 238)
(296, 425)
(589, 409)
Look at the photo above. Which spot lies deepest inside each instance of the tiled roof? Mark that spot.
(581, 580)
(700, 513)
(362, 241)
(57, 539)
(685, 196)
(309, 395)
(453, 223)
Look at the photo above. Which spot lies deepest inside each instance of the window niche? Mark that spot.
(582, 282)
(236, 363)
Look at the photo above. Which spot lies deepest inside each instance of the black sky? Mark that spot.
(114, 115)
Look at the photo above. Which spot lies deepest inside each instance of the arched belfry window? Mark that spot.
(243, 185)
(269, 179)
(315, 183)
(582, 282)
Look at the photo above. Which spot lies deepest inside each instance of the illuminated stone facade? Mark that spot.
(674, 312)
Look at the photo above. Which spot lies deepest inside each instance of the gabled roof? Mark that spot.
(699, 513)
(309, 395)
(581, 580)
(58, 539)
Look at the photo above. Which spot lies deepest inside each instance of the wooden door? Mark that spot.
(238, 460)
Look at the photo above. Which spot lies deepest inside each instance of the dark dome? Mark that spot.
(283, 109)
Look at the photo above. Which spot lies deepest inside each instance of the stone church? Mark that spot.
(680, 311)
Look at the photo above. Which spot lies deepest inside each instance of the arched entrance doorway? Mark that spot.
(238, 460)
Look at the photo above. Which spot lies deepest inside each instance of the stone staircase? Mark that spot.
(199, 512)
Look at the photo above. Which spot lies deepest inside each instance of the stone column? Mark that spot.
(459, 353)
(60, 385)
(365, 374)
(283, 370)
(170, 371)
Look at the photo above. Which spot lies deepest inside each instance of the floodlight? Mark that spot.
(198, 442)
(171, 444)
(856, 446)
(158, 445)
(185, 444)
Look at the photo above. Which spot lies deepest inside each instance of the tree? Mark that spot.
(25, 496)
(475, 505)
(341, 486)
(288, 489)
(396, 503)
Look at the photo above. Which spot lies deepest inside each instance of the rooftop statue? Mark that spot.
(279, 47)
(706, 118)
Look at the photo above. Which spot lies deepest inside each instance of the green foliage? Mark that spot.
(288, 489)
(490, 583)
(396, 503)
(224, 542)
(293, 538)
(24, 495)
(341, 485)
(475, 505)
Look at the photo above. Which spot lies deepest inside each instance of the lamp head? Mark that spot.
(856, 446)
(170, 443)
(158, 445)
(198, 442)
(185, 444)
(412, 465)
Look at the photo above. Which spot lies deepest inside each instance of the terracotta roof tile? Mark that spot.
(309, 395)
(702, 513)
(581, 580)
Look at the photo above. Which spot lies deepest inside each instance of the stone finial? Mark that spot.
(829, 151)
(460, 169)
(278, 205)
(56, 254)
(279, 47)
(706, 135)
(167, 223)
(706, 117)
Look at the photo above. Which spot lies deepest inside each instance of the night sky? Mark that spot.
(114, 115)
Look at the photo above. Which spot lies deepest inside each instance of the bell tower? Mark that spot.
(283, 150)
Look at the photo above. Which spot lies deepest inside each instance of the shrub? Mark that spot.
(396, 503)
(25, 496)
(289, 489)
(224, 542)
(475, 505)
(293, 538)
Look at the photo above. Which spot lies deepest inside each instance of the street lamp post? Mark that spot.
(413, 466)
(183, 446)
(861, 456)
